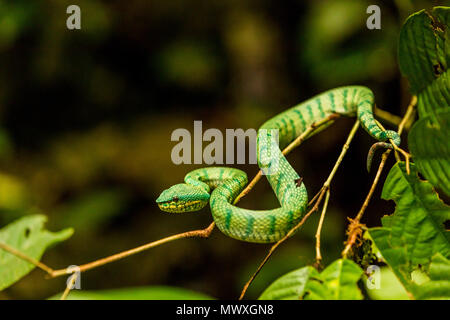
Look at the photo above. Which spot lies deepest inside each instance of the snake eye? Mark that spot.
(175, 199)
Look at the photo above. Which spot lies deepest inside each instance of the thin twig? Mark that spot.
(353, 228)
(306, 134)
(408, 115)
(387, 116)
(342, 154)
(384, 158)
(203, 233)
(23, 256)
(394, 119)
(407, 119)
(319, 229)
(70, 285)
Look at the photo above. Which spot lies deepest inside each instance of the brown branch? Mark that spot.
(203, 233)
(23, 256)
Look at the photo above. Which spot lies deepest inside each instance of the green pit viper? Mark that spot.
(221, 185)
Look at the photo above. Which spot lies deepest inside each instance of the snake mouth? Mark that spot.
(170, 206)
(180, 206)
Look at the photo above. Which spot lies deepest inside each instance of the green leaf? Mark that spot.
(291, 286)
(390, 287)
(336, 282)
(418, 220)
(424, 57)
(139, 293)
(395, 257)
(341, 278)
(28, 236)
(438, 287)
(430, 148)
(415, 232)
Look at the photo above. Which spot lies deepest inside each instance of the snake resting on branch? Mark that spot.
(221, 185)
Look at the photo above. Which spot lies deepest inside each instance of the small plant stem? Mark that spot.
(354, 227)
(387, 116)
(23, 256)
(342, 154)
(409, 116)
(249, 187)
(410, 111)
(319, 228)
(70, 285)
(384, 158)
(403, 123)
(301, 138)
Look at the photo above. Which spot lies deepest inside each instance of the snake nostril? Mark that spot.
(175, 199)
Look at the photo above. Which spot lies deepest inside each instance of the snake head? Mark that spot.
(182, 198)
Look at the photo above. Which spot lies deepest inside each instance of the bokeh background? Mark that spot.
(86, 118)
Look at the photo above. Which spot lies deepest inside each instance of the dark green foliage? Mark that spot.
(412, 236)
(424, 58)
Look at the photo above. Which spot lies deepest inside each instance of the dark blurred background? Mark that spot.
(86, 118)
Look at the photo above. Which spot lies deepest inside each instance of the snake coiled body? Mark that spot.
(266, 226)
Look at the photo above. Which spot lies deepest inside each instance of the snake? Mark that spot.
(221, 185)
